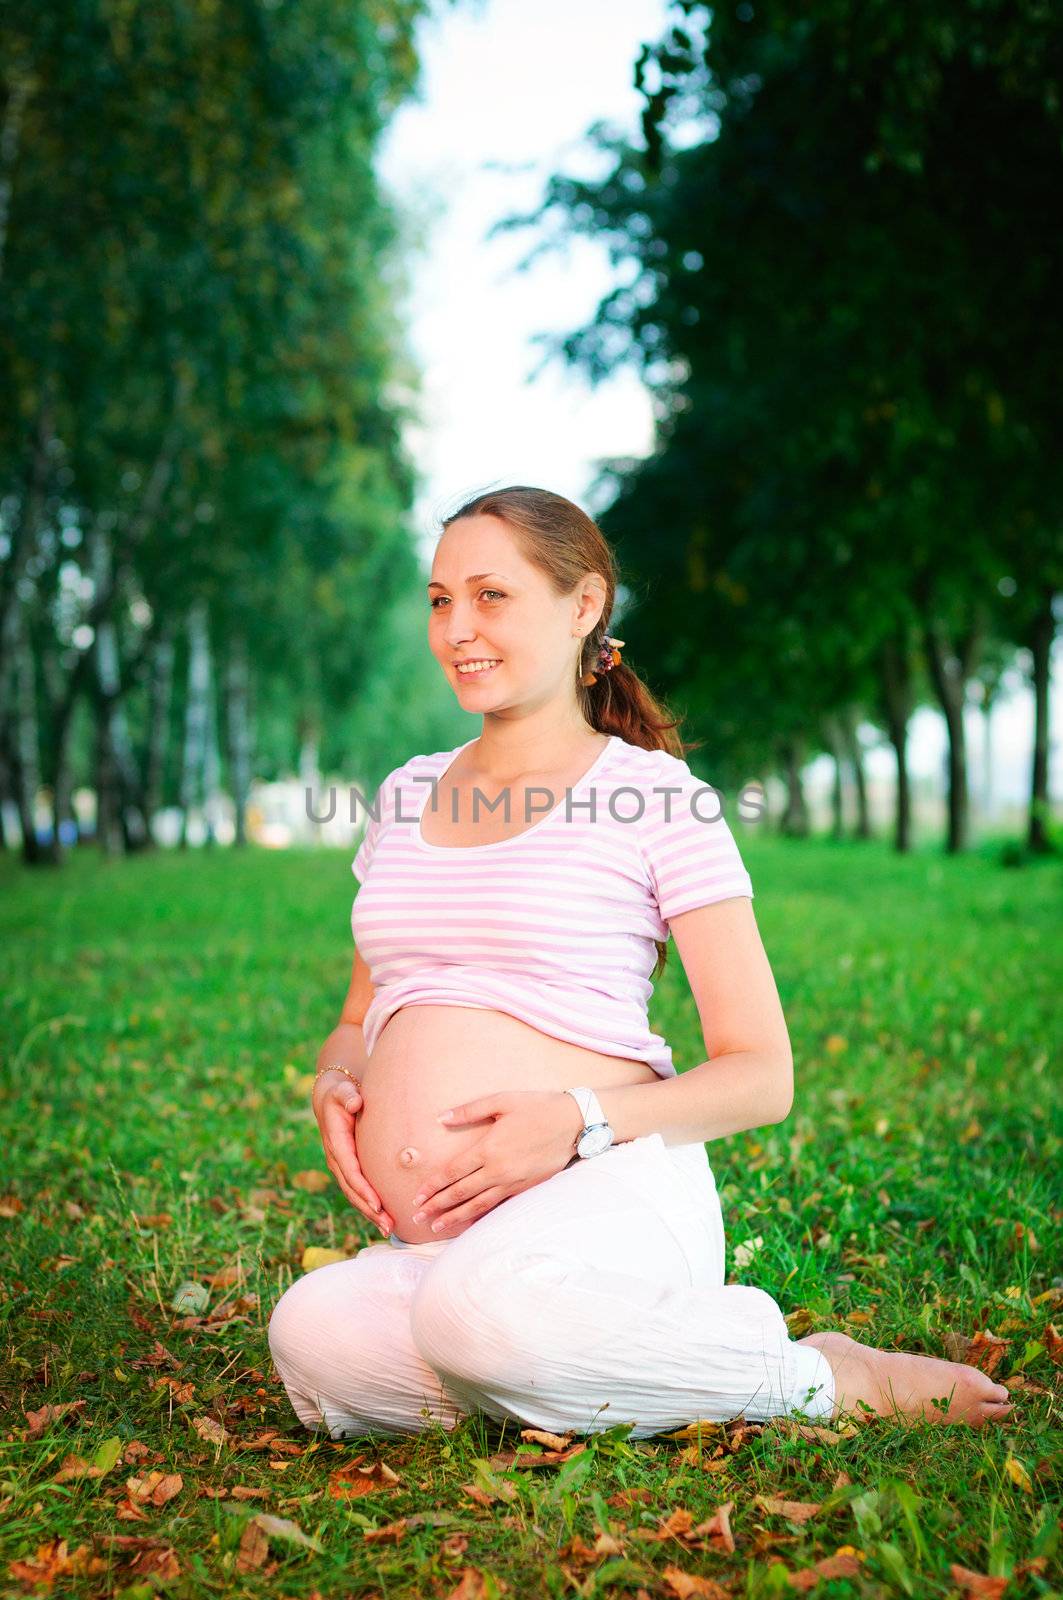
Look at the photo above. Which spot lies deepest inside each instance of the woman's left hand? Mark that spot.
(532, 1135)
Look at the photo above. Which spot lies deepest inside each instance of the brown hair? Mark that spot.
(559, 538)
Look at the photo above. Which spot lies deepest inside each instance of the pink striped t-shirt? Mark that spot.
(555, 925)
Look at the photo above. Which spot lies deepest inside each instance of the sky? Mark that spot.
(508, 91)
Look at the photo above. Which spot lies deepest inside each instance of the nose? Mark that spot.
(457, 631)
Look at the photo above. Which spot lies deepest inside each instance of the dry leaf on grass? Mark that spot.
(210, 1429)
(472, 1585)
(352, 1479)
(155, 1488)
(390, 1533)
(316, 1255)
(552, 1441)
(312, 1181)
(687, 1586)
(794, 1510)
(39, 1420)
(712, 1534)
(53, 1559)
(976, 1585)
(844, 1563)
(985, 1351)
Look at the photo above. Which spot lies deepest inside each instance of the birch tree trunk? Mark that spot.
(1042, 636)
(837, 798)
(195, 713)
(116, 763)
(897, 698)
(850, 733)
(794, 820)
(25, 740)
(238, 730)
(160, 696)
(950, 669)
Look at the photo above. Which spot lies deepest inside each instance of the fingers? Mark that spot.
(359, 1194)
(453, 1194)
(458, 1220)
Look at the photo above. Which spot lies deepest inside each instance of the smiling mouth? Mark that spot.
(476, 672)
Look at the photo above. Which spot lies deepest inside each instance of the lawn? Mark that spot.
(161, 1018)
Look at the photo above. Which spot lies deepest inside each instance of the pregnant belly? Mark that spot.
(429, 1058)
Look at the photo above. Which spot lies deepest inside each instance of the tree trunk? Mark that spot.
(837, 798)
(851, 741)
(160, 694)
(25, 744)
(113, 745)
(1041, 637)
(238, 731)
(794, 821)
(211, 763)
(897, 698)
(949, 671)
(195, 714)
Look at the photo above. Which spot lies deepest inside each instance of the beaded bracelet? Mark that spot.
(336, 1067)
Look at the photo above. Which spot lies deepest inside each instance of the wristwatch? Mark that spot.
(597, 1135)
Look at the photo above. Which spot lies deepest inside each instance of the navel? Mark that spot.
(409, 1156)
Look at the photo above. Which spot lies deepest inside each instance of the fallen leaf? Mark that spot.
(180, 1393)
(284, 1529)
(686, 1584)
(225, 1277)
(352, 1480)
(717, 1530)
(624, 1499)
(976, 1585)
(985, 1351)
(156, 1488)
(316, 1255)
(312, 1181)
(1018, 1474)
(553, 1441)
(699, 1430)
(472, 1585)
(39, 1420)
(210, 1429)
(53, 1560)
(390, 1533)
(844, 1563)
(254, 1548)
(794, 1510)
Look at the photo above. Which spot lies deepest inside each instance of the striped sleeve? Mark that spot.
(690, 852)
(382, 804)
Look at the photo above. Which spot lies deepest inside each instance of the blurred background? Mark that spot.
(772, 291)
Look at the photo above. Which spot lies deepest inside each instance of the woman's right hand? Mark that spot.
(337, 1102)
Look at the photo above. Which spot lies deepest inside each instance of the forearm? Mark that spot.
(743, 1089)
(346, 1045)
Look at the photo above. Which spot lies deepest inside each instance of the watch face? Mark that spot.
(595, 1140)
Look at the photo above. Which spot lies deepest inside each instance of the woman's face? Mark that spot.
(487, 604)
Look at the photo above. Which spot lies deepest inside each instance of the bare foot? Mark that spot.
(894, 1382)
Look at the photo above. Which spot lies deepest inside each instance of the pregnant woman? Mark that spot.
(492, 1096)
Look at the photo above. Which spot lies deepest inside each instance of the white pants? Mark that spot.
(594, 1298)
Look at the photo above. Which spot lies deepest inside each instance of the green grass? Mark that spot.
(160, 1019)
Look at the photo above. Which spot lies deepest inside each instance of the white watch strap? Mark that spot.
(589, 1105)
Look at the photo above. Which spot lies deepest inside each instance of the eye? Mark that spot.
(433, 605)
